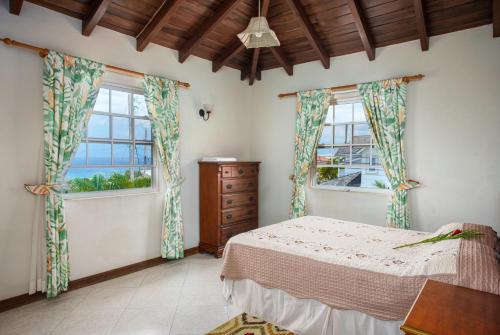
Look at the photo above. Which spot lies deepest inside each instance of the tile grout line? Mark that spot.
(178, 300)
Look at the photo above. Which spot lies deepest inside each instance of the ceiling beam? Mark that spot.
(421, 26)
(206, 27)
(496, 18)
(309, 31)
(253, 66)
(234, 48)
(15, 6)
(362, 26)
(256, 51)
(281, 58)
(245, 73)
(156, 23)
(95, 15)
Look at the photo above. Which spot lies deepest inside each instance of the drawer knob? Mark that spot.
(226, 172)
(229, 186)
(229, 202)
(229, 216)
(240, 171)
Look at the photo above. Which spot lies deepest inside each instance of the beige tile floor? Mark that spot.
(181, 297)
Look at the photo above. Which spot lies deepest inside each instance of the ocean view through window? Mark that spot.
(117, 150)
(346, 156)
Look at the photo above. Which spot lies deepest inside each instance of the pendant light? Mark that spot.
(258, 34)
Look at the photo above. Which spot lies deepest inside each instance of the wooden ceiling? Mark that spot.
(309, 30)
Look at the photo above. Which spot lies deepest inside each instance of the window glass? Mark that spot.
(116, 151)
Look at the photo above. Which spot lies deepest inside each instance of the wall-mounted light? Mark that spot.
(205, 111)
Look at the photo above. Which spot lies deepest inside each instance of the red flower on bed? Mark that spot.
(456, 232)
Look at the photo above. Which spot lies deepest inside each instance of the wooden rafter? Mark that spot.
(156, 23)
(421, 26)
(95, 15)
(15, 6)
(234, 48)
(281, 58)
(256, 51)
(206, 28)
(496, 18)
(362, 26)
(245, 73)
(309, 31)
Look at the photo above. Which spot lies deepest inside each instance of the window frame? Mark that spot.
(338, 98)
(154, 166)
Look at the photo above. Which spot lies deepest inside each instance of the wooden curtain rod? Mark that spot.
(352, 87)
(43, 52)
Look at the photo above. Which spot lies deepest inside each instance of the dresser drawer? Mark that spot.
(238, 199)
(238, 214)
(238, 185)
(243, 171)
(227, 232)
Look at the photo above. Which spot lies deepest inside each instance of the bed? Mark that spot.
(315, 275)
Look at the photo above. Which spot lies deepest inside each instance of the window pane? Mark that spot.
(119, 102)
(343, 113)
(140, 108)
(374, 178)
(329, 115)
(375, 156)
(326, 136)
(121, 127)
(99, 153)
(143, 154)
(142, 177)
(343, 134)
(362, 134)
(102, 102)
(324, 156)
(98, 126)
(97, 179)
(122, 154)
(359, 114)
(324, 175)
(360, 155)
(142, 130)
(80, 157)
(341, 155)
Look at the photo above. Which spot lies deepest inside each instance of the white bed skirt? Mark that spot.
(302, 316)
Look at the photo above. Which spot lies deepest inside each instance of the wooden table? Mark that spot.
(444, 309)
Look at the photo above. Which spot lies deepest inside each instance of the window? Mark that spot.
(346, 156)
(117, 150)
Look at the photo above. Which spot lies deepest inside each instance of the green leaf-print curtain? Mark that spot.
(70, 87)
(312, 107)
(385, 109)
(162, 101)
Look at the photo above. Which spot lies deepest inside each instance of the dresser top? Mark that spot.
(230, 163)
(444, 309)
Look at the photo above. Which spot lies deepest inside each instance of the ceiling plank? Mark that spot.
(156, 23)
(15, 6)
(95, 15)
(362, 27)
(496, 18)
(421, 26)
(309, 31)
(281, 58)
(207, 26)
(234, 48)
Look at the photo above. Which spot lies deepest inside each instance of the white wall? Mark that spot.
(453, 138)
(111, 232)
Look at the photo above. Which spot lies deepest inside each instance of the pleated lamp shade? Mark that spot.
(258, 34)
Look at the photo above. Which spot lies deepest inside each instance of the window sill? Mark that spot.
(110, 194)
(352, 189)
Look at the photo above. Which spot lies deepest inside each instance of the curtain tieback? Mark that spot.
(42, 189)
(291, 177)
(408, 185)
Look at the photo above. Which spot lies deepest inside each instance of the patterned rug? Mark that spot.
(245, 324)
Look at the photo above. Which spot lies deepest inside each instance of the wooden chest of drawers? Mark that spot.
(228, 202)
